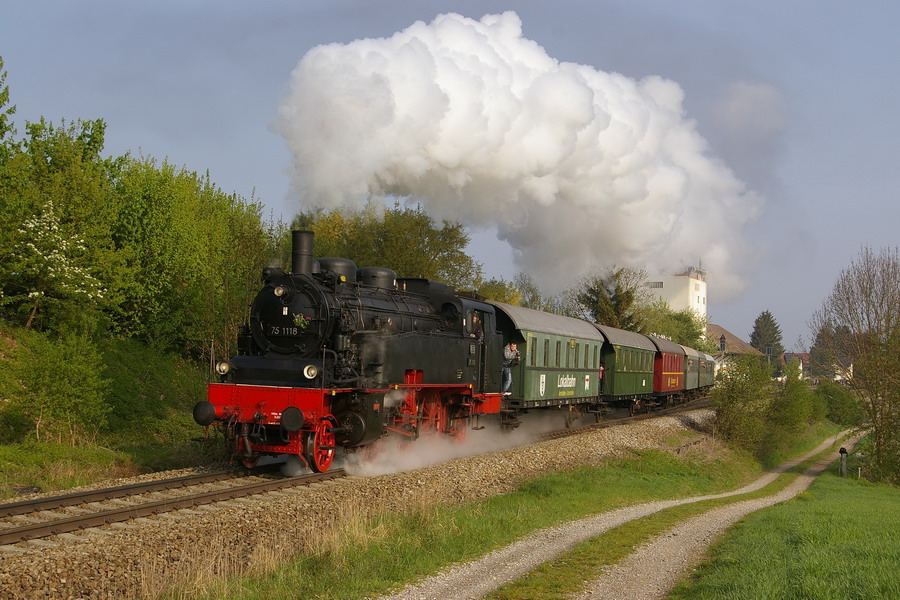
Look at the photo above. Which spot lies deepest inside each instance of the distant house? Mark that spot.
(802, 357)
(728, 344)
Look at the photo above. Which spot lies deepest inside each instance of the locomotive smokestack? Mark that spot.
(302, 252)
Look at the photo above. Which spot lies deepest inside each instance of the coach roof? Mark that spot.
(620, 337)
(527, 319)
(665, 345)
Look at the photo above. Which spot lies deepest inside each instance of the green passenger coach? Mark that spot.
(560, 357)
(628, 365)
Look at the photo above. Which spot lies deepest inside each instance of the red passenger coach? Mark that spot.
(668, 368)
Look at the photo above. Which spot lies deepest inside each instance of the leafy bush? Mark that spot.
(788, 415)
(63, 391)
(742, 399)
(843, 407)
(151, 395)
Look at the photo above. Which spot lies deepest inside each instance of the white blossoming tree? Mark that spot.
(45, 271)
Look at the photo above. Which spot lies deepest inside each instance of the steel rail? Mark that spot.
(38, 530)
(28, 506)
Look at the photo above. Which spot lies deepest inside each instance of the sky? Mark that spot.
(757, 139)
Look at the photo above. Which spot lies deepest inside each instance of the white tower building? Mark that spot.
(685, 290)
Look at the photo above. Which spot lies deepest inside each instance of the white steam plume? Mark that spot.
(575, 167)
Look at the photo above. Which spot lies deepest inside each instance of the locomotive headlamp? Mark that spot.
(223, 367)
(280, 290)
(310, 371)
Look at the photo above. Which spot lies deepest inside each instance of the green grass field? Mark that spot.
(840, 539)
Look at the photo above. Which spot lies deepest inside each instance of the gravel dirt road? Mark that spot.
(648, 573)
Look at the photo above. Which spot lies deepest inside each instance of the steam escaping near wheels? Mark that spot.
(294, 466)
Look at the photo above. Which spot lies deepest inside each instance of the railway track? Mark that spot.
(44, 517)
(651, 414)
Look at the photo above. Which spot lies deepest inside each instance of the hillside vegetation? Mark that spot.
(142, 402)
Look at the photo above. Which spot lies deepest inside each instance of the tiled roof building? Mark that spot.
(727, 342)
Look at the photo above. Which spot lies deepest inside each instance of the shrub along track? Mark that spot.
(148, 555)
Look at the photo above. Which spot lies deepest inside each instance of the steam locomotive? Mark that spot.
(336, 356)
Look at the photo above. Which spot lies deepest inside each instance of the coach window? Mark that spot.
(595, 357)
(577, 350)
(532, 352)
(558, 353)
(547, 353)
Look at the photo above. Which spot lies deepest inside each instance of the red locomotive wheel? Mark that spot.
(433, 414)
(320, 445)
(249, 463)
(371, 452)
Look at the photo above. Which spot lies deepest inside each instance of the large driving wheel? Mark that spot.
(250, 461)
(320, 445)
(433, 414)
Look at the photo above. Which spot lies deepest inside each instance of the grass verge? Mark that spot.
(34, 466)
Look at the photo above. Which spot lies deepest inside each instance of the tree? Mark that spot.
(822, 362)
(858, 330)
(47, 273)
(191, 258)
(684, 326)
(404, 239)
(766, 336)
(611, 298)
(531, 296)
(6, 112)
(55, 220)
(500, 290)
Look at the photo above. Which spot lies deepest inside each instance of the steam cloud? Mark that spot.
(574, 166)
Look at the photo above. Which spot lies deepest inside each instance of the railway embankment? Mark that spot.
(149, 555)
